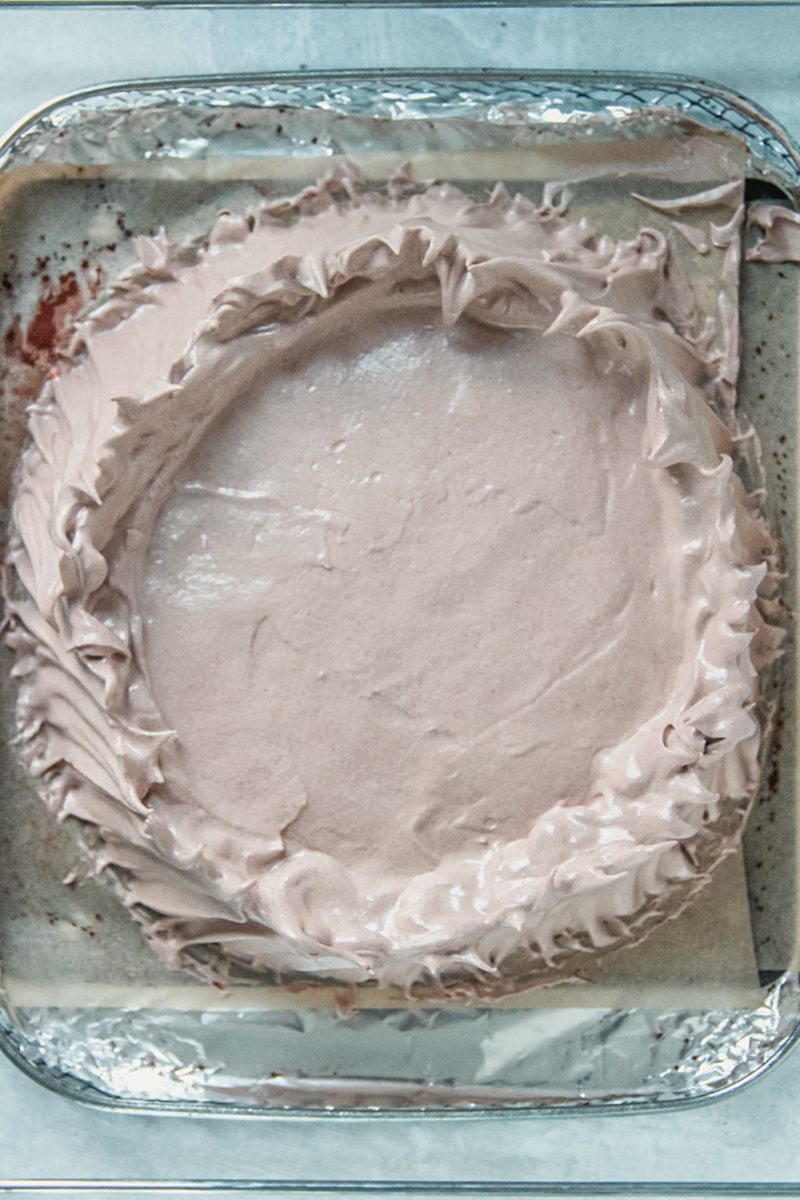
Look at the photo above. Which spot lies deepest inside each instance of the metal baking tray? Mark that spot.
(77, 179)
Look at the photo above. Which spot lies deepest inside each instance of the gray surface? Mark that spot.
(751, 1136)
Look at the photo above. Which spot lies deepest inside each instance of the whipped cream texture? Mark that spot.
(385, 590)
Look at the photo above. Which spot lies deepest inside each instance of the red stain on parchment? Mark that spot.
(31, 350)
(58, 304)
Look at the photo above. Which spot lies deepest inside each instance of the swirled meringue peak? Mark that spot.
(386, 591)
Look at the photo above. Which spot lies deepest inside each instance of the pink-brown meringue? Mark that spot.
(386, 591)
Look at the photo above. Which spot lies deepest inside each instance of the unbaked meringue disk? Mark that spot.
(385, 591)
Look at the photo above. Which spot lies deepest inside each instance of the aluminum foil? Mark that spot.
(201, 119)
(132, 158)
(438, 1060)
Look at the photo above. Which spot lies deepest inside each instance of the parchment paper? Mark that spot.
(78, 947)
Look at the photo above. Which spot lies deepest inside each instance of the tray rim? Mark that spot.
(89, 1095)
(70, 1087)
(734, 99)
